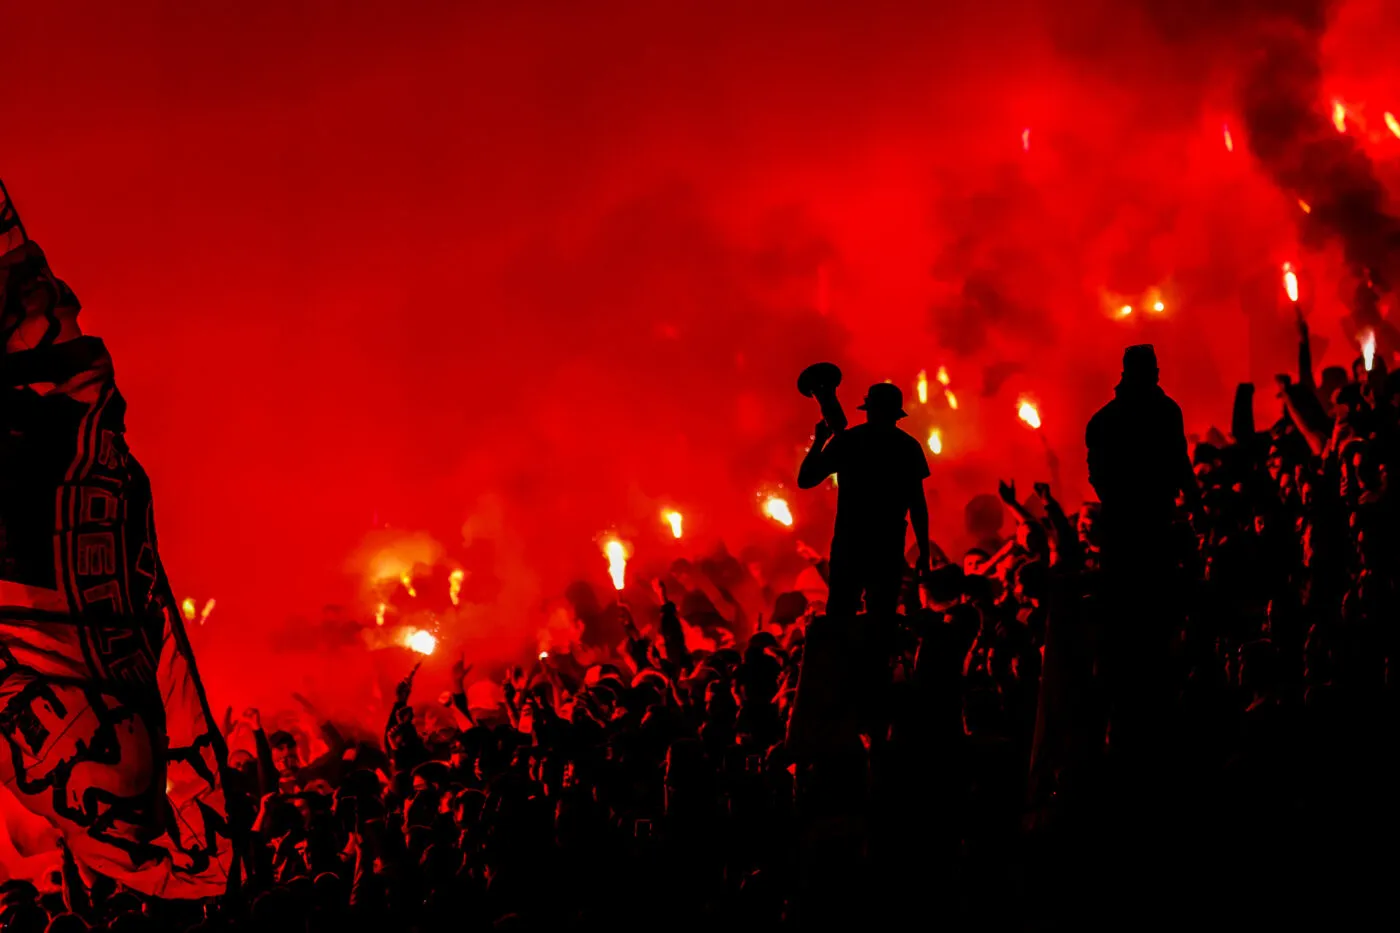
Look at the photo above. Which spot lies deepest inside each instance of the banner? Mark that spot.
(106, 731)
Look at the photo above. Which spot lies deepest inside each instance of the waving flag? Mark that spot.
(104, 727)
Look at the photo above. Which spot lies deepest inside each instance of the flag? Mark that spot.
(106, 730)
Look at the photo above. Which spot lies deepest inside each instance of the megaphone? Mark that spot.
(819, 381)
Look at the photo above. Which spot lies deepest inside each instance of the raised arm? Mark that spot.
(818, 464)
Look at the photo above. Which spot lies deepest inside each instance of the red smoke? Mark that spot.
(539, 277)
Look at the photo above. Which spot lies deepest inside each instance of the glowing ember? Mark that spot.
(1307, 208)
(935, 440)
(1290, 281)
(1125, 311)
(1026, 139)
(1368, 348)
(617, 562)
(544, 655)
(943, 377)
(406, 578)
(1392, 123)
(1339, 116)
(1028, 413)
(419, 640)
(187, 610)
(952, 399)
(379, 613)
(454, 585)
(922, 387)
(1229, 140)
(205, 613)
(1158, 307)
(777, 509)
(673, 519)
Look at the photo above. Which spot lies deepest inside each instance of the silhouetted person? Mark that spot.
(1138, 464)
(880, 474)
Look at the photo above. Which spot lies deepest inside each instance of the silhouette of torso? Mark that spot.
(1137, 461)
(877, 469)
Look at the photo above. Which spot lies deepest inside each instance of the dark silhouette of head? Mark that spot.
(1140, 365)
(884, 404)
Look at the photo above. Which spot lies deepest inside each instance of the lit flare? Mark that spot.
(1290, 282)
(1026, 140)
(1368, 349)
(922, 387)
(675, 520)
(1028, 413)
(187, 610)
(1392, 124)
(1125, 311)
(1339, 116)
(1229, 140)
(617, 562)
(943, 377)
(777, 509)
(420, 640)
(406, 578)
(206, 612)
(935, 441)
(454, 585)
(379, 613)
(952, 399)
(1306, 207)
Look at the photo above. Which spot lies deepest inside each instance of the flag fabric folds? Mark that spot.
(106, 730)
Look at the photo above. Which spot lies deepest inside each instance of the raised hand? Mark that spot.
(1007, 490)
(821, 433)
(1043, 491)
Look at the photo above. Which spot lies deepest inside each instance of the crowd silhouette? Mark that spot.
(1173, 705)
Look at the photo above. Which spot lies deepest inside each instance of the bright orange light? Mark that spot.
(1026, 139)
(952, 399)
(1290, 281)
(206, 611)
(617, 562)
(935, 440)
(943, 377)
(777, 509)
(1028, 413)
(1307, 208)
(406, 578)
(187, 610)
(1339, 116)
(1125, 311)
(1392, 123)
(379, 613)
(673, 519)
(922, 387)
(1368, 348)
(454, 585)
(420, 640)
(1229, 140)
(1158, 307)
(544, 655)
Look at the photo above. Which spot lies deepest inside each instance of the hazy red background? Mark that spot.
(525, 273)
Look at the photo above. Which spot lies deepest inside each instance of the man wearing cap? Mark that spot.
(881, 473)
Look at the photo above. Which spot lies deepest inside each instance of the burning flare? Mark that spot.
(1307, 208)
(943, 377)
(454, 585)
(1028, 413)
(1026, 139)
(922, 387)
(187, 610)
(1229, 140)
(1339, 115)
(419, 640)
(1392, 123)
(1290, 282)
(205, 613)
(406, 578)
(379, 613)
(1125, 311)
(777, 509)
(952, 399)
(935, 440)
(674, 519)
(1368, 348)
(1158, 307)
(617, 562)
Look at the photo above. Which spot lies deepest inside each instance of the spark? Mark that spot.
(935, 440)
(406, 578)
(922, 387)
(674, 519)
(1028, 413)
(943, 377)
(1229, 140)
(454, 585)
(1158, 307)
(1368, 348)
(1339, 115)
(187, 610)
(206, 612)
(1026, 140)
(379, 613)
(777, 509)
(1290, 282)
(1392, 124)
(420, 640)
(952, 399)
(1125, 311)
(617, 562)
(1307, 208)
